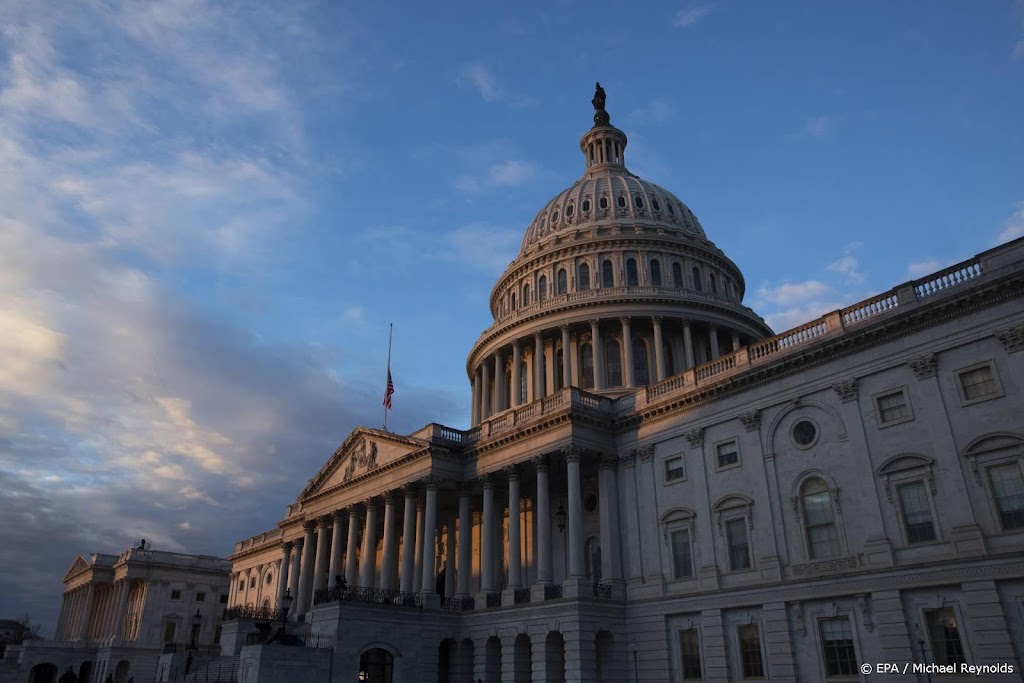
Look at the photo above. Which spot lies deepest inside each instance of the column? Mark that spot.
(337, 546)
(517, 380)
(351, 569)
(122, 609)
(659, 349)
(465, 541)
(369, 559)
(627, 353)
(538, 366)
(282, 577)
(688, 344)
(543, 521)
(408, 540)
(322, 558)
(598, 354)
(713, 334)
(390, 544)
(475, 405)
(429, 534)
(487, 529)
(515, 561)
(735, 341)
(499, 383)
(306, 572)
(293, 576)
(418, 553)
(63, 616)
(485, 391)
(566, 358)
(611, 550)
(449, 558)
(572, 459)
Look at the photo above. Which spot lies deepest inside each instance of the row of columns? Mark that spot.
(79, 619)
(491, 396)
(309, 561)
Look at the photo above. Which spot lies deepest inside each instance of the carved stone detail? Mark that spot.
(645, 453)
(572, 453)
(1012, 339)
(628, 458)
(826, 566)
(923, 366)
(865, 614)
(512, 472)
(541, 463)
(847, 389)
(695, 437)
(751, 421)
(607, 461)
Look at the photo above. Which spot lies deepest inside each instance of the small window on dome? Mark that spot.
(655, 205)
(639, 202)
(603, 203)
(586, 205)
(622, 201)
(569, 210)
(671, 209)
(554, 215)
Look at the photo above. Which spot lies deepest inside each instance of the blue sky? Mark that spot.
(210, 212)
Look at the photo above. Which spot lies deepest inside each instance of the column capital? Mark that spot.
(541, 463)
(487, 480)
(572, 453)
(353, 510)
(657, 320)
(628, 458)
(464, 488)
(389, 497)
(287, 546)
(299, 542)
(410, 489)
(624, 319)
(607, 461)
(594, 322)
(512, 472)
(430, 482)
(645, 453)
(309, 525)
(325, 520)
(564, 327)
(371, 502)
(339, 514)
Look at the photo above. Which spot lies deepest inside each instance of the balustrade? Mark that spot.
(458, 604)
(553, 591)
(376, 596)
(945, 279)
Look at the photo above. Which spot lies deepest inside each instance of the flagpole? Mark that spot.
(390, 329)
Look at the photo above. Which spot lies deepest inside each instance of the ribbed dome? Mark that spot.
(610, 194)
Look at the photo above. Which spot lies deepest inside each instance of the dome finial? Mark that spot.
(601, 117)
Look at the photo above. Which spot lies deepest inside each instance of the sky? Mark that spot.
(210, 212)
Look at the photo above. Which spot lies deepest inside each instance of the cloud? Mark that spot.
(1013, 227)
(921, 268)
(818, 126)
(691, 16)
(478, 77)
(791, 304)
(847, 265)
(511, 173)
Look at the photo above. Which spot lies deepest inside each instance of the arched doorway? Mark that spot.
(122, 671)
(447, 656)
(439, 584)
(522, 656)
(554, 657)
(376, 666)
(493, 661)
(464, 668)
(609, 666)
(43, 673)
(84, 672)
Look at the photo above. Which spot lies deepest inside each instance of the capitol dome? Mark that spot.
(616, 286)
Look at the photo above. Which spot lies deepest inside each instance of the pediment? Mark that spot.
(906, 461)
(364, 451)
(993, 442)
(77, 567)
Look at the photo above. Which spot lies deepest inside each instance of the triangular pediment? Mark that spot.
(77, 567)
(364, 451)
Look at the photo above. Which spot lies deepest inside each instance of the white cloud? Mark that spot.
(793, 303)
(1013, 227)
(478, 77)
(511, 173)
(691, 16)
(848, 265)
(922, 268)
(792, 294)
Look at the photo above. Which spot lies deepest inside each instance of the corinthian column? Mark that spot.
(598, 354)
(351, 569)
(517, 380)
(566, 358)
(306, 573)
(688, 344)
(538, 366)
(282, 576)
(485, 389)
(515, 561)
(320, 570)
(499, 383)
(293, 577)
(572, 459)
(429, 534)
(659, 349)
(368, 570)
(543, 522)
(611, 554)
(465, 541)
(337, 545)
(409, 540)
(487, 554)
(627, 353)
(388, 561)
(83, 624)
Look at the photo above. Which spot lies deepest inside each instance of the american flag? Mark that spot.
(387, 392)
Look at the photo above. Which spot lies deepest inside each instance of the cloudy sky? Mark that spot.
(210, 212)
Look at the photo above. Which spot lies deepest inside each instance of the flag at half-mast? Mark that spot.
(388, 391)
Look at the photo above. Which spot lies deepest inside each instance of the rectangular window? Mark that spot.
(1008, 490)
(917, 515)
(252, 582)
(944, 636)
(822, 539)
(169, 628)
(977, 383)
(224, 599)
(750, 651)
(176, 594)
(200, 597)
(739, 546)
(682, 559)
(837, 647)
(892, 407)
(689, 646)
(241, 585)
(728, 454)
(674, 468)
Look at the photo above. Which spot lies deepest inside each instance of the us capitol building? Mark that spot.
(656, 487)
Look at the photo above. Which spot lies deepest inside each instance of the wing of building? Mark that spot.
(656, 487)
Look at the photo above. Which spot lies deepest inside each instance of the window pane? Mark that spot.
(641, 366)
(674, 468)
(682, 562)
(631, 276)
(1008, 489)
(696, 279)
(892, 407)
(739, 550)
(563, 282)
(750, 651)
(978, 382)
(677, 274)
(607, 275)
(689, 646)
(945, 636)
(542, 288)
(586, 366)
(584, 283)
(917, 516)
(655, 273)
(837, 643)
(613, 363)
(728, 454)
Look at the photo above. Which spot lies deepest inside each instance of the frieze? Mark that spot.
(645, 453)
(751, 421)
(572, 453)
(846, 390)
(628, 458)
(923, 366)
(826, 566)
(361, 457)
(1012, 339)
(695, 437)
(607, 461)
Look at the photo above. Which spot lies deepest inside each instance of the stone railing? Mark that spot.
(458, 604)
(602, 591)
(376, 596)
(255, 613)
(827, 326)
(521, 596)
(514, 417)
(553, 591)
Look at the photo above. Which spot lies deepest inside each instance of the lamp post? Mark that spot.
(286, 602)
(636, 666)
(197, 619)
(560, 517)
(920, 645)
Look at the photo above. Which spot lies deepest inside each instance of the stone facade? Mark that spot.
(655, 487)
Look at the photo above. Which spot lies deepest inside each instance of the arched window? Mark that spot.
(526, 295)
(563, 281)
(714, 283)
(639, 201)
(819, 520)
(655, 205)
(671, 209)
(613, 363)
(622, 201)
(603, 202)
(641, 363)
(513, 301)
(586, 205)
(655, 272)
(524, 381)
(542, 288)
(587, 366)
(607, 274)
(696, 278)
(631, 275)
(569, 211)
(677, 273)
(583, 283)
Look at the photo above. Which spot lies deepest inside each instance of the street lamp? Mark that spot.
(636, 667)
(197, 619)
(286, 602)
(560, 517)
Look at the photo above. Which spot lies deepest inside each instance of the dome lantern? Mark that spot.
(604, 145)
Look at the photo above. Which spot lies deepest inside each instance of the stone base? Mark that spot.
(537, 591)
(576, 587)
(878, 552)
(968, 540)
(284, 664)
